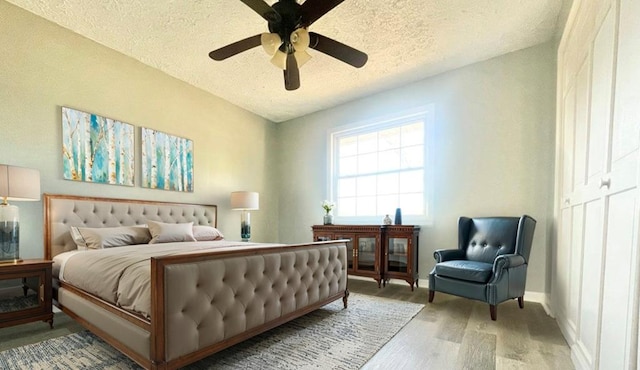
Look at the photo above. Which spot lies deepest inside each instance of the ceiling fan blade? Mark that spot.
(292, 73)
(262, 8)
(235, 48)
(312, 10)
(337, 50)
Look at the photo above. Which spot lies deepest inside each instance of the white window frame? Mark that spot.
(427, 115)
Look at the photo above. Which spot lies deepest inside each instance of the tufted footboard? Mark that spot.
(204, 303)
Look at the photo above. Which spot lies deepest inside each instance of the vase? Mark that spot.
(328, 219)
(398, 220)
(386, 220)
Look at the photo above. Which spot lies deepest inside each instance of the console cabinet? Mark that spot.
(400, 253)
(25, 292)
(381, 252)
(363, 247)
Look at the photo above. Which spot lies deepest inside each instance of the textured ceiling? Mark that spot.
(406, 40)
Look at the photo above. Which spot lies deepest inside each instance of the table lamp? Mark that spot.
(245, 201)
(16, 184)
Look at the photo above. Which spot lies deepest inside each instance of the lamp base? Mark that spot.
(9, 233)
(245, 226)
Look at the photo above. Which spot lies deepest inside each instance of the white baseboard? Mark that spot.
(579, 356)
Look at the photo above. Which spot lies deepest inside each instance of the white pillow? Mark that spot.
(108, 237)
(206, 233)
(166, 233)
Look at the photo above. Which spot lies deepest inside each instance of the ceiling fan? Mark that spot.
(288, 39)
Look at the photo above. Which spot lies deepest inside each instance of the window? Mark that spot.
(376, 168)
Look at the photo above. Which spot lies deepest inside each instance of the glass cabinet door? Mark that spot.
(18, 294)
(350, 251)
(367, 253)
(397, 258)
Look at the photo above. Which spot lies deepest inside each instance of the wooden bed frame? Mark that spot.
(148, 342)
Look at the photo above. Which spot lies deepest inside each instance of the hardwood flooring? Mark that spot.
(450, 333)
(457, 333)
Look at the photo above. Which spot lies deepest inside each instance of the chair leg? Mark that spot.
(521, 302)
(493, 310)
(431, 294)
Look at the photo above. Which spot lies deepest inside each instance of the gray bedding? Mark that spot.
(122, 275)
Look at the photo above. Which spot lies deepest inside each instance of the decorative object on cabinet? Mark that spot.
(16, 184)
(97, 149)
(490, 263)
(167, 161)
(328, 206)
(368, 252)
(245, 201)
(31, 296)
(386, 220)
(398, 220)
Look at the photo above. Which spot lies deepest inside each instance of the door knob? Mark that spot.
(605, 182)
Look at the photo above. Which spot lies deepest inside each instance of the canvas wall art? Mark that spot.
(167, 161)
(97, 149)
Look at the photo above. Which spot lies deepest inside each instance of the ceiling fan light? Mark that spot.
(270, 42)
(300, 39)
(279, 60)
(302, 57)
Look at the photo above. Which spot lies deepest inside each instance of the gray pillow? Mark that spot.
(166, 233)
(205, 233)
(108, 237)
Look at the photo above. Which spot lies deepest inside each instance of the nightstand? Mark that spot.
(25, 292)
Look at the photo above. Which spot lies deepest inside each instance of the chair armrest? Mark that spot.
(506, 261)
(442, 255)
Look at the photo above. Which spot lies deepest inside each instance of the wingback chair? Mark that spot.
(490, 264)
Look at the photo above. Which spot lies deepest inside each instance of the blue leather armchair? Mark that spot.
(490, 264)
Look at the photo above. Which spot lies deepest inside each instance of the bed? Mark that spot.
(199, 296)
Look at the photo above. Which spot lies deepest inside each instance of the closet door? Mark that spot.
(618, 345)
(595, 281)
(592, 197)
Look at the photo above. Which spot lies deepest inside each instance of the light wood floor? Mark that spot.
(450, 333)
(457, 333)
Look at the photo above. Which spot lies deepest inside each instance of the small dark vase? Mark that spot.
(398, 220)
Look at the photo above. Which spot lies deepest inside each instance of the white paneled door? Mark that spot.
(596, 262)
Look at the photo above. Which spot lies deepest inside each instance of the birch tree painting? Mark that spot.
(167, 161)
(97, 149)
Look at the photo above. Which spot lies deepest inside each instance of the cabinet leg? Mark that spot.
(50, 322)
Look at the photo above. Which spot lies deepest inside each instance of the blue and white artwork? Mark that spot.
(97, 149)
(167, 161)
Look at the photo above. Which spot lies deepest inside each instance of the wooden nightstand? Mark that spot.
(25, 292)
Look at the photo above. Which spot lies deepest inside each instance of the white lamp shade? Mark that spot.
(245, 200)
(300, 39)
(270, 42)
(279, 60)
(302, 57)
(19, 183)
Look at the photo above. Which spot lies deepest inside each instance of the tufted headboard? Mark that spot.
(63, 211)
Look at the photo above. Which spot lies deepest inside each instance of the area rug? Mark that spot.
(328, 338)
